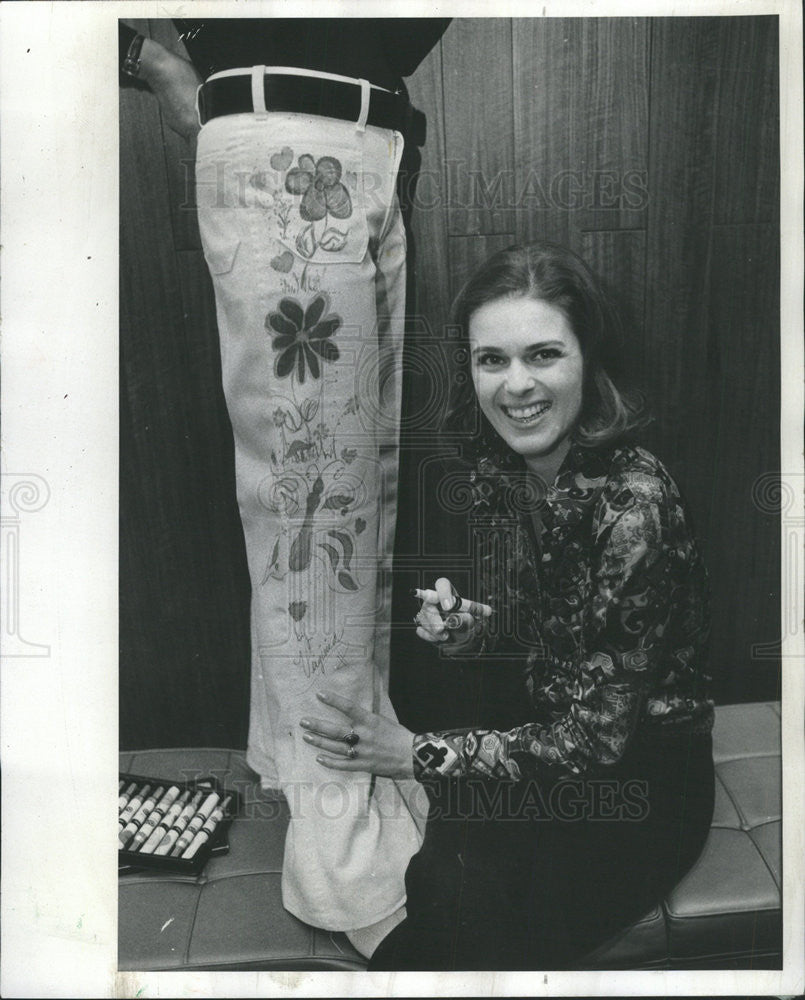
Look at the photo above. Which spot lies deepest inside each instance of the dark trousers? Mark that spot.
(531, 876)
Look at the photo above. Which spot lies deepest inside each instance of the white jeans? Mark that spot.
(305, 244)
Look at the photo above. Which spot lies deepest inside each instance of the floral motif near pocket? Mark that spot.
(314, 205)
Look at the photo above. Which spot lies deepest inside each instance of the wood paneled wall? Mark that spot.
(650, 146)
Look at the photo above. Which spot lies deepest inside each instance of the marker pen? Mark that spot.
(154, 817)
(165, 824)
(428, 595)
(195, 824)
(206, 831)
(179, 825)
(136, 803)
(142, 813)
(459, 603)
(122, 802)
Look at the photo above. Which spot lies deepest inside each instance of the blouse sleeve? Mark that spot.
(629, 608)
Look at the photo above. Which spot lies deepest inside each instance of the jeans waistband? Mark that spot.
(262, 90)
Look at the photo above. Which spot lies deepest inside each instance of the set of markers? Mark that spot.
(169, 825)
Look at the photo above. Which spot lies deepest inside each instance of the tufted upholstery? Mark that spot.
(726, 913)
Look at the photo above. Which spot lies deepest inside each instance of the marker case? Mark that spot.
(133, 861)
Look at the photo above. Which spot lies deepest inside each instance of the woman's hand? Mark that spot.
(382, 747)
(456, 631)
(174, 81)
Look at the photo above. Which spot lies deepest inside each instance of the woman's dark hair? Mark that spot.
(552, 274)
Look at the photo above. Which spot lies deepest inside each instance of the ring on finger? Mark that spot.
(351, 739)
(352, 753)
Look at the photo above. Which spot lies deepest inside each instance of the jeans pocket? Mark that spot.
(320, 206)
(220, 255)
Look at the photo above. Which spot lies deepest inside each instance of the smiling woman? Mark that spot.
(540, 331)
(528, 373)
(590, 795)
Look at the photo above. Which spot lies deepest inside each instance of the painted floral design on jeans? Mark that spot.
(323, 197)
(302, 336)
(314, 489)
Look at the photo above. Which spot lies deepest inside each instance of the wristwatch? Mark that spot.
(131, 64)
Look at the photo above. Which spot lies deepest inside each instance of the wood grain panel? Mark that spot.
(149, 287)
(201, 349)
(743, 541)
(428, 305)
(748, 188)
(429, 219)
(209, 433)
(580, 117)
(469, 252)
(680, 338)
(180, 679)
(619, 258)
(424, 365)
(479, 125)
(150, 317)
(179, 158)
(712, 330)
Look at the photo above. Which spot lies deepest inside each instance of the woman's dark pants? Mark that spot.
(532, 876)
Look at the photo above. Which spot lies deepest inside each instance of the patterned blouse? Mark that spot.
(599, 589)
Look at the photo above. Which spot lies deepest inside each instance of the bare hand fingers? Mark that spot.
(340, 763)
(427, 596)
(447, 595)
(322, 727)
(333, 746)
(430, 635)
(429, 616)
(353, 712)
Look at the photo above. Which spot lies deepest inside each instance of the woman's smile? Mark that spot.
(526, 414)
(528, 373)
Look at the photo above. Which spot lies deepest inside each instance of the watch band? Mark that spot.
(131, 64)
